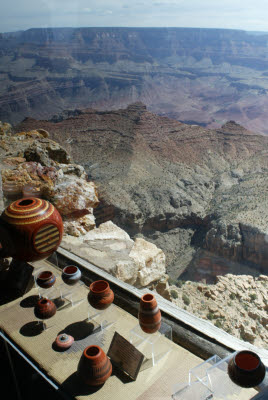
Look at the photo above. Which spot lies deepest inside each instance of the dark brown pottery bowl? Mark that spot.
(46, 279)
(71, 275)
(246, 369)
(45, 309)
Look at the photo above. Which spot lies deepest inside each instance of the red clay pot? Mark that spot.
(64, 341)
(246, 369)
(45, 309)
(35, 226)
(149, 314)
(94, 367)
(46, 279)
(100, 295)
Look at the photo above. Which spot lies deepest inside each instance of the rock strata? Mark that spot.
(182, 187)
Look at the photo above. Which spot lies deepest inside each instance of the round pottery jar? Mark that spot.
(149, 314)
(64, 341)
(44, 309)
(35, 226)
(246, 369)
(100, 295)
(71, 275)
(46, 279)
(94, 367)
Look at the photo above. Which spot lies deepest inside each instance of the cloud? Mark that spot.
(17, 14)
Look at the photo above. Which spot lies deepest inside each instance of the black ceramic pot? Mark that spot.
(246, 369)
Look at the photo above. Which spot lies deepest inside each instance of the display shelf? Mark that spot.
(150, 345)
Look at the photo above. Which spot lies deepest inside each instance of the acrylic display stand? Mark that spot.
(151, 345)
(208, 380)
(104, 318)
(71, 293)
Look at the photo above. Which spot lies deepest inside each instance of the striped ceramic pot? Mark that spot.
(94, 367)
(45, 309)
(35, 226)
(100, 295)
(46, 279)
(149, 314)
(64, 341)
(71, 275)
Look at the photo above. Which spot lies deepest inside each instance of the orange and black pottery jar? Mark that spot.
(35, 227)
(100, 295)
(94, 367)
(149, 314)
(45, 309)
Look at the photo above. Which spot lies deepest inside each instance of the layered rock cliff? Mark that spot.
(203, 76)
(183, 187)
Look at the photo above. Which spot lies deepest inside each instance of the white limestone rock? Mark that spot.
(110, 248)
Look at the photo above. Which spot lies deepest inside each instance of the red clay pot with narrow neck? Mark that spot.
(100, 295)
(94, 367)
(149, 314)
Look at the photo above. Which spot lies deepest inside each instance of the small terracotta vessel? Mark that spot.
(94, 367)
(45, 309)
(35, 227)
(246, 369)
(100, 295)
(71, 275)
(64, 341)
(149, 314)
(46, 279)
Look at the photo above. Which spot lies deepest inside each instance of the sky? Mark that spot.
(231, 14)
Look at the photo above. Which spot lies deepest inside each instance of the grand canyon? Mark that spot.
(171, 127)
(197, 76)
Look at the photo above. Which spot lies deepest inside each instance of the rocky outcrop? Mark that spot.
(237, 304)
(138, 262)
(31, 158)
(47, 166)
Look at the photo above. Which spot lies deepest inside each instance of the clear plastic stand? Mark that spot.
(44, 324)
(71, 293)
(105, 318)
(208, 380)
(152, 345)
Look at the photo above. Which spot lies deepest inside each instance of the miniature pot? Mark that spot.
(64, 341)
(71, 275)
(149, 314)
(100, 295)
(94, 367)
(246, 369)
(46, 279)
(45, 309)
(35, 226)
